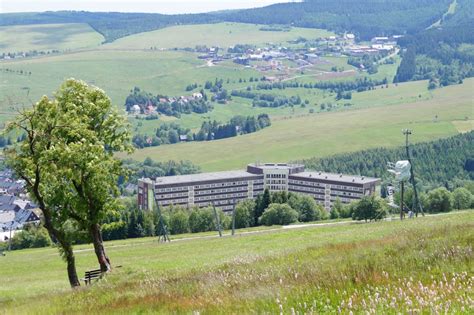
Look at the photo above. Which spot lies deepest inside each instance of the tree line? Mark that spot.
(277, 208)
(210, 130)
(366, 19)
(237, 125)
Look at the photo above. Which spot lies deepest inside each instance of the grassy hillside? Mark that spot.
(221, 34)
(116, 72)
(46, 37)
(329, 133)
(351, 267)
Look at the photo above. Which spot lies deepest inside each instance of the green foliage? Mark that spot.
(261, 203)
(306, 207)
(439, 200)
(278, 214)
(337, 209)
(462, 198)
(244, 214)
(202, 220)
(436, 54)
(115, 231)
(31, 237)
(369, 208)
(179, 222)
(436, 162)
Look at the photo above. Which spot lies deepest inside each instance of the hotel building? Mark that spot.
(225, 189)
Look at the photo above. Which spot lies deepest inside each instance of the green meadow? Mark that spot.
(46, 37)
(222, 35)
(306, 135)
(422, 264)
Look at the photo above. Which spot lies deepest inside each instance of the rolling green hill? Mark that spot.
(47, 37)
(322, 134)
(221, 34)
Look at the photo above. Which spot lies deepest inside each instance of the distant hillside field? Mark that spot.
(117, 72)
(46, 37)
(317, 135)
(222, 35)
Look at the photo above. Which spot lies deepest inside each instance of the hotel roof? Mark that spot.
(336, 177)
(179, 179)
(275, 165)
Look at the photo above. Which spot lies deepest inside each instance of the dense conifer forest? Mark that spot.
(444, 162)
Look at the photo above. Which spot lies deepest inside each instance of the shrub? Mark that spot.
(244, 214)
(462, 198)
(280, 214)
(439, 200)
(179, 222)
(202, 220)
(369, 208)
(306, 207)
(31, 237)
(336, 209)
(114, 231)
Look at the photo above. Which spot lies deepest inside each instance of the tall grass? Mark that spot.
(415, 268)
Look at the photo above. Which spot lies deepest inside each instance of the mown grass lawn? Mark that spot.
(420, 265)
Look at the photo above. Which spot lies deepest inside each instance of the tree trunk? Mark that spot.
(65, 249)
(71, 267)
(99, 248)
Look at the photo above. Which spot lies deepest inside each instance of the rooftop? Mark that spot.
(337, 177)
(276, 165)
(179, 179)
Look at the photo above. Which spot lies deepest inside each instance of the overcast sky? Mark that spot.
(157, 6)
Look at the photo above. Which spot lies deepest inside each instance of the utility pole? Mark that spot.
(218, 221)
(402, 188)
(163, 235)
(416, 201)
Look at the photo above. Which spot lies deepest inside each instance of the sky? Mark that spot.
(152, 6)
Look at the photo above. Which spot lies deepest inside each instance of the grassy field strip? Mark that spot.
(327, 133)
(264, 272)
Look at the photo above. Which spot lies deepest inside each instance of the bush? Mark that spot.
(31, 237)
(439, 200)
(336, 209)
(306, 207)
(202, 220)
(369, 208)
(244, 214)
(462, 198)
(179, 222)
(114, 231)
(280, 214)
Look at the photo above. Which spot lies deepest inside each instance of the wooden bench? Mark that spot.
(92, 275)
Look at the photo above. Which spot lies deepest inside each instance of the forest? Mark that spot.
(443, 55)
(446, 162)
